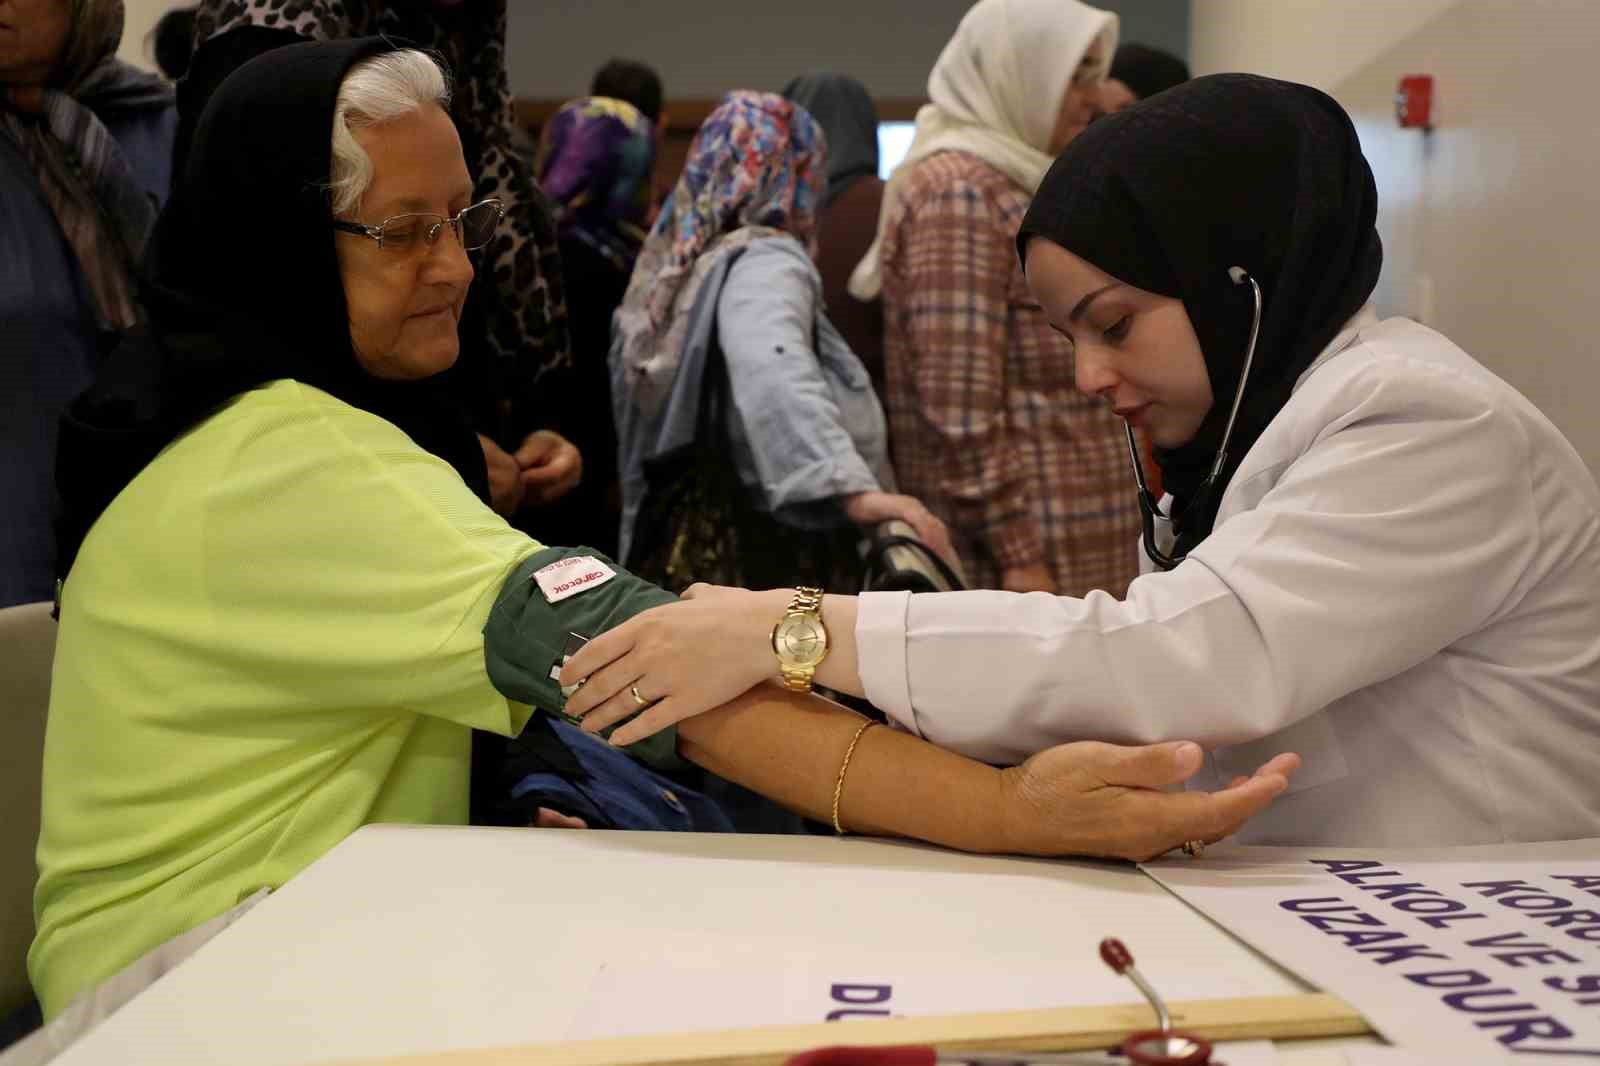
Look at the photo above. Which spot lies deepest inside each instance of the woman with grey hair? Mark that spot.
(287, 609)
(516, 373)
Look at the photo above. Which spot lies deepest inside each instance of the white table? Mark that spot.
(415, 939)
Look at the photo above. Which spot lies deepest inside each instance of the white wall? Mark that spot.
(705, 47)
(1491, 223)
(141, 19)
(1318, 42)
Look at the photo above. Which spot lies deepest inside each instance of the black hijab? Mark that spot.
(1223, 171)
(242, 286)
(849, 119)
(1147, 71)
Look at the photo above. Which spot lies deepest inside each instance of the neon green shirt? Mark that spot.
(272, 637)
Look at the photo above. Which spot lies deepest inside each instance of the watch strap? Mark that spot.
(807, 601)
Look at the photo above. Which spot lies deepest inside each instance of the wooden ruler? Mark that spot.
(1054, 1029)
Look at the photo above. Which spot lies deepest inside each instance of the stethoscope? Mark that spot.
(1149, 506)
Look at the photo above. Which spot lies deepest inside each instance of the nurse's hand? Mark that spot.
(684, 658)
(1106, 800)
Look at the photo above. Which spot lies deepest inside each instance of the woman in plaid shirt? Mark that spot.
(985, 423)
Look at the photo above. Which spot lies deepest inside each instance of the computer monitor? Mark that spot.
(894, 141)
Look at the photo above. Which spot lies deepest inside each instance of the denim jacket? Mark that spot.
(805, 426)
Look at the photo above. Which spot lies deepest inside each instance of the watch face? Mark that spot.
(800, 641)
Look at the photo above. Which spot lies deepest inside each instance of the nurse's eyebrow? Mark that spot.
(1083, 304)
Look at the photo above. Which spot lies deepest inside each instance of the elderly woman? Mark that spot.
(85, 150)
(516, 365)
(289, 607)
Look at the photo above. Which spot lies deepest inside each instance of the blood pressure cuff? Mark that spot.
(526, 637)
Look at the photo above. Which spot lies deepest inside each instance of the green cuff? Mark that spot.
(526, 634)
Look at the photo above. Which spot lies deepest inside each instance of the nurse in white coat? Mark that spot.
(1393, 568)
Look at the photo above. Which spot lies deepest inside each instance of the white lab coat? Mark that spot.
(1403, 585)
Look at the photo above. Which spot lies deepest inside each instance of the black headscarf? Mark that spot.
(243, 288)
(516, 365)
(1147, 71)
(1223, 171)
(849, 119)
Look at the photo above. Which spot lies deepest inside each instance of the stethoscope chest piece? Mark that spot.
(1162, 1046)
(1167, 1047)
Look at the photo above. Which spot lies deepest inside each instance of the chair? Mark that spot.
(27, 645)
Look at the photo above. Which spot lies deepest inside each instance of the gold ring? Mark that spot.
(641, 701)
(1191, 848)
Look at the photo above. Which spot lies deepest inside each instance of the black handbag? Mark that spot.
(698, 522)
(896, 560)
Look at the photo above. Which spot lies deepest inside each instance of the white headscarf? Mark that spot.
(996, 92)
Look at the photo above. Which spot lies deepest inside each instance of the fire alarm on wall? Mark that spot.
(1413, 102)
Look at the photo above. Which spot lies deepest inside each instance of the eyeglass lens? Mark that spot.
(474, 228)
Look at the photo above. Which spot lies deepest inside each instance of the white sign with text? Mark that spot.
(1495, 948)
(736, 988)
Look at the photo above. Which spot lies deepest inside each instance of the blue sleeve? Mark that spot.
(48, 355)
(146, 139)
(804, 456)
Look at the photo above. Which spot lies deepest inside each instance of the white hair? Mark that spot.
(377, 90)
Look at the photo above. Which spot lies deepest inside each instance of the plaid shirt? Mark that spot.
(985, 423)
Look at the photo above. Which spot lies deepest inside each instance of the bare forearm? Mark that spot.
(702, 663)
(789, 747)
(841, 670)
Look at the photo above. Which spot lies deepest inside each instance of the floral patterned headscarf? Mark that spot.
(757, 167)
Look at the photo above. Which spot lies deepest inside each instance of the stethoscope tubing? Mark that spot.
(1149, 506)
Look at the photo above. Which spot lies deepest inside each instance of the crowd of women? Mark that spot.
(333, 499)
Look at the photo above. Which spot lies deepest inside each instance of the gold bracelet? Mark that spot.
(838, 786)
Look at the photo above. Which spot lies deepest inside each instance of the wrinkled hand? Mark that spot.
(869, 508)
(551, 467)
(1035, 578)
(685, 658)
(505, 478)
(1105, 800)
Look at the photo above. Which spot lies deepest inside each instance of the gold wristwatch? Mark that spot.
(800, 640)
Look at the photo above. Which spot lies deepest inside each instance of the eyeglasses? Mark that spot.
(473, 227)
